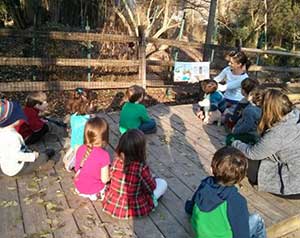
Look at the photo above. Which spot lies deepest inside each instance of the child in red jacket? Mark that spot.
(35, 127)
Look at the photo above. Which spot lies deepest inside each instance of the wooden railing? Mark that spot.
(139, 64)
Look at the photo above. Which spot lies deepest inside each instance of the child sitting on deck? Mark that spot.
(15, 157)
(132, 192)
(81, 106)
(217, 208)
(248, 115)
(92, 161)
(35, 127)
(213, 105)
(134, 115)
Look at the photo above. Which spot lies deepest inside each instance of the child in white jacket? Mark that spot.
(14, 154)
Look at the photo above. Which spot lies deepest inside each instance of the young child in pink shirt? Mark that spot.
(92, 161)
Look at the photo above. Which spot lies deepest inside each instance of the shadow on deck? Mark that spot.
(45, 204)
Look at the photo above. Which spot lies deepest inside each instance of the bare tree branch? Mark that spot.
(131, 17)
(124, 20)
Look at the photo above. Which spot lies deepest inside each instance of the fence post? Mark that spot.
(89, 45)
(34, 46)
(142, 56)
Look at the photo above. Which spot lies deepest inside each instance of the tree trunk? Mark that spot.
(210, 27)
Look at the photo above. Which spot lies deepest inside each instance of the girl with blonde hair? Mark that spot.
(92, 160)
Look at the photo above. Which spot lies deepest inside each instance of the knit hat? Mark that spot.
(10, 112)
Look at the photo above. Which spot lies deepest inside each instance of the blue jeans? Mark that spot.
(148, 127)
(257, 226)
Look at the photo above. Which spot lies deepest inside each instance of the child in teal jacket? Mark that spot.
(218, 210)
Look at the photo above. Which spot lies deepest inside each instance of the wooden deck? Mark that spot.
(45, 205)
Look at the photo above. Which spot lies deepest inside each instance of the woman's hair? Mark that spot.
(229, 166)
(241, 58)
(275, 106)
(249, 84)
(82, 102)
(133, 145)
(96, 133)
(229, 54)
(134, 93)
(35, 98)
(205, 82)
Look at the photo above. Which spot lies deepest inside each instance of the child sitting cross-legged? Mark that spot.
(92, 160)
(81, 106)
(231, 118)
(213, 105)
(217, 208)
(15, 157)
(245, 128)
(134, 115)
(35, 127)
(133, 191)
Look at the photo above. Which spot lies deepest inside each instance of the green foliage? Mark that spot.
(245, 20)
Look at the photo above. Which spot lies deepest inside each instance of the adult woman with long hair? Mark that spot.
(274, 161)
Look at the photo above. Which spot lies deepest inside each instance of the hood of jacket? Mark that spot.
(211, 194)
(291, 118)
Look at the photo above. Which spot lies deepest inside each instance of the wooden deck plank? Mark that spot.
(115, 227)
(60, 217)
(34, 214)
(191, 128)
(84, 212)
(145, 228)
(188, 144)
(11, 224)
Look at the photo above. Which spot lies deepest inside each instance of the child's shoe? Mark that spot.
(50, 155)
(69, 159)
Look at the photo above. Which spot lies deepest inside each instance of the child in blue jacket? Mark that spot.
(217, 208)
(210, 109)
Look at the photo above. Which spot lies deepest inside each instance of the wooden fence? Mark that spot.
(140, 64)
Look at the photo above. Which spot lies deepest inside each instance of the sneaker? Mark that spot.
(69, 159)
(50, 154)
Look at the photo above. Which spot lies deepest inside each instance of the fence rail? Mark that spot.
(61, 85)
(140, 63)
(68, 36)
(43, 62)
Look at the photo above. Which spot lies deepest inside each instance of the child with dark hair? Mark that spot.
(92, 161)
(132, 192)
(246, 127)
(217, 208)
(35, 127)
(213, 105)
(230, 119)
(81, 106)
(134, 115)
